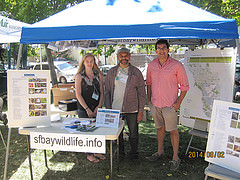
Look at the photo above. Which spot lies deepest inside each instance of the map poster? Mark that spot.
(223, 146)
(28, 98)
(211, 76)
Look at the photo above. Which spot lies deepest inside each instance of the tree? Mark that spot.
(231, 9)
(225, 8)
(32, 11)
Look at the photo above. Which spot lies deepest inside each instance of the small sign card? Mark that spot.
(107, 118)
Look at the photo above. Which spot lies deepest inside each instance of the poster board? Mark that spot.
(223, 146)
(107, 118)
(211, 76)
(28, 98)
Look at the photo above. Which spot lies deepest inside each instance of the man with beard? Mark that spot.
(125, 91)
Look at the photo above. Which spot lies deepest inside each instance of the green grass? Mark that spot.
(74, 166)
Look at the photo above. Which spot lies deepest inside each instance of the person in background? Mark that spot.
(89, 93)
(125, 91)
(164, 77)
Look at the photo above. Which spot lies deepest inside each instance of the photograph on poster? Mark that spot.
(37, 86)
(235, 115)
(233, 146)
(235, 120)
(37, 107)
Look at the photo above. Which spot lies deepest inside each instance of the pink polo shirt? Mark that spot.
(165, 81)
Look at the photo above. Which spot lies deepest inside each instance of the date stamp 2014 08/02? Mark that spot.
(208, 154)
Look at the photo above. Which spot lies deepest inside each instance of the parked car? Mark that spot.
(73, 63)
(104, 69)
(65, 72)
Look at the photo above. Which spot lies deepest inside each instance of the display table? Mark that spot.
(110, 134)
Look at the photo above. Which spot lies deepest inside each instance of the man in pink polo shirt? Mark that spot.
(165, 76)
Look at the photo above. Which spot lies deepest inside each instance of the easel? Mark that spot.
(3, 139)
(199, 130)
(7, 153)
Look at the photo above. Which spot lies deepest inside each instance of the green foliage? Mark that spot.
(32, 11)
(32, 52)
(225, 8)
(231, 9)
(149, 48)
(109, 50)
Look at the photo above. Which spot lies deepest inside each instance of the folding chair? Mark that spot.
(220, 172)
(199, 130)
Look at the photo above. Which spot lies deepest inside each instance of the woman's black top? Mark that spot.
(88, 88)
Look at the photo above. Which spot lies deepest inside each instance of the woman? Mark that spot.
(89, 93)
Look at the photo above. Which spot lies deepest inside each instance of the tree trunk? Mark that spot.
(51, 66)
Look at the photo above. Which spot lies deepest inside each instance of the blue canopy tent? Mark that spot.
(130, 19)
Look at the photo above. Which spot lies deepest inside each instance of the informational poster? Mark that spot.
(28, 98)
(211, 76)
(107, 118)
(223, 146)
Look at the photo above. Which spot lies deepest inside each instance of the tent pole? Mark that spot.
(9, 55)
(238, 49)
(9, 129)
(19, 55)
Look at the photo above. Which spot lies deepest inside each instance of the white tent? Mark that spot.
(130, 19)
(10, 30)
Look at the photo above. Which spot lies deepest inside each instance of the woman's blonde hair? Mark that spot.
(82, 67)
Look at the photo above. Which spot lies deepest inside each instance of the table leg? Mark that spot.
(45, 156)
(111, 160)
(117, 154)
(29, 156)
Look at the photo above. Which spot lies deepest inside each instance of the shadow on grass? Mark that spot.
(18, 151)
(72, 166)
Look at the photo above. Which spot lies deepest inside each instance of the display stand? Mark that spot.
(199, 130)
(7, 153)
(3, 139)
(28, 101)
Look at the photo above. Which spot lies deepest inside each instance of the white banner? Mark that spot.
(68, 142)
(10, 30)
